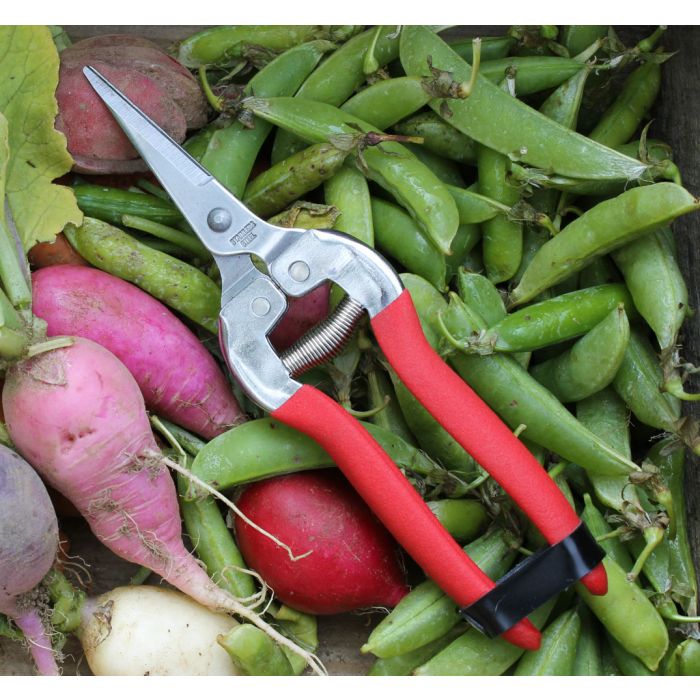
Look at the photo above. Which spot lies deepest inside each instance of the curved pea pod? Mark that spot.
(622, 118)
(348, 191)
(177, 284)
(254, 652)
(426, 613)
(599, 527)
(629, 616)
(557, 653)
(392, 166)
(293, 177)
(638, 382)
(398, 236)
(339, 76)
(230, 152)
(577, 37)
(227, 45)
(491, 47)
(473, 654)
(380, 392)
(601, 271)
(475, 208)
(532, 73)
(519, 399)
(685, 660)
(656, 283)
(446, 170)
(463, 518)
(439, 137)
(603, 228)
(587, 661)
(590, 364)
(554, 320)
(464, 243)
(519, 129)
(628, 664)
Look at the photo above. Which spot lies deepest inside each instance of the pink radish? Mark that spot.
(178, 377)
(77, 414)
(28, 546)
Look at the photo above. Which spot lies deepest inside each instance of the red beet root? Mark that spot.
(354, 561)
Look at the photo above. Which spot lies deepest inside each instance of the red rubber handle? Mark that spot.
(394, 501)
(468, 419)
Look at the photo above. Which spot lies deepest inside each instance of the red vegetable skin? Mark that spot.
(302, 314)
(354, 562)
(178, 377)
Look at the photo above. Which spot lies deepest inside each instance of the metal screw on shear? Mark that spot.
(253, 302)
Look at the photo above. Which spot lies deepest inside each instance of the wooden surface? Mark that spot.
(341, 636)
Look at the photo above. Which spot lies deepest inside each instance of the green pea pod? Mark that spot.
(426, 613)
(685, 660)
(293, 177)
(473, 654)
(628, 663)
(379, 389)
(638, 382)
(439, 137)
(502, 238)
(601, 271)
(398, 236)
(491, 47)
(464, 242)
(629, 616)
(656, 283)
(347, 190)
(306, 215)
(177, 284)
(231, 152)
(608, 666)
(590, 364)
(606, 415)
(475, 208)
(391, 166)
(587, 661)
(254, 652)
(443, 168)
(534, 238)
(520, 400)
(532, 73)
(111, 203)
(554, 320)
(633, 102)
(577, 37)
(339, 76)
(463, 518)
(519, 129)
(300, 627)
(564, 104)
(557, 653)
(482, 295)
(227, 45)
(404, 664)
(603, 228)
(599, 528)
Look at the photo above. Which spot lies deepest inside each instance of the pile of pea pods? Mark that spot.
(514, 183)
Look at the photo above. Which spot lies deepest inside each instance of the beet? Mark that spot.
(353, 562)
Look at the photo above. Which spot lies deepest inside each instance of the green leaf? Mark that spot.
(38, 154)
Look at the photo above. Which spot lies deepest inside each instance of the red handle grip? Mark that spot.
(468, 419)
(394, 501)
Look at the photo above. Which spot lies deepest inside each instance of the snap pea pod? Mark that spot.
(554, 320)
(426, 613)
(638, 382)
(444, 169)
(520, 400)
(379, 389)
(601, 271)
(293, 177)
(347, 190)
(475, 208)
(532, 73)
(465, 241)
(393, 167)
(656, 283)
(398, 236)
(231, 151)
(606, 415)
(298, 626)
(564, 104)
(439, 137)
(254, 652)
(577, 37)
(587, 661)
(491, 47)
(502, 238)
(306, 215)
(338, 77)
(473, 654)
(590, 364)
(227, 45)
(111, 203)
(621, 120)
(608, 666)
(685, 660)
(629, 616)
(175, 283)
(599, 527)
(533, 239)
(628, 664)
(519, 129)
(606, 226)
(404, 664)
(557, 653)
(463, 518)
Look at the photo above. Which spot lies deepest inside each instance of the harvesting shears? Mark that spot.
(253, 301)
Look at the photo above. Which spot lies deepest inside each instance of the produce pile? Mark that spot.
(515, 183)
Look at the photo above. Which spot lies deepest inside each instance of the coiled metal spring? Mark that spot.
(325, 340)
